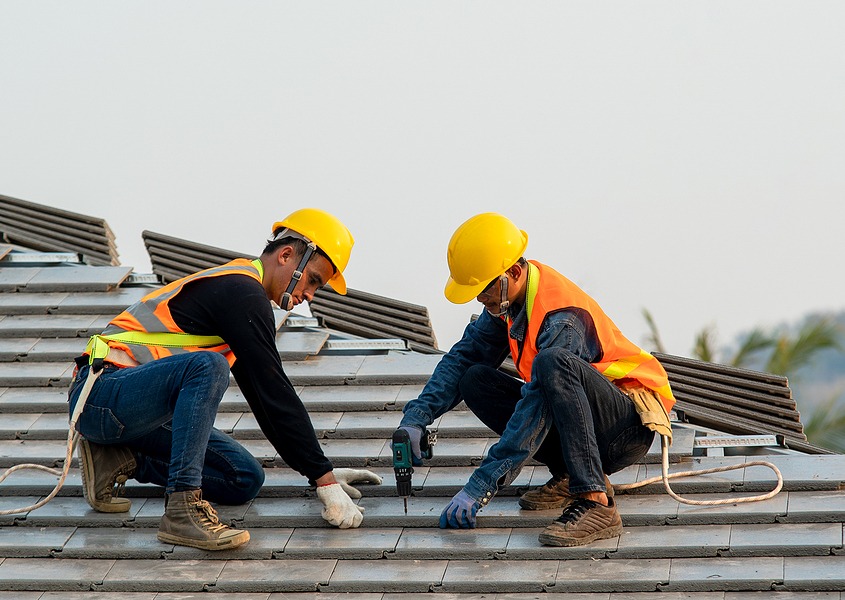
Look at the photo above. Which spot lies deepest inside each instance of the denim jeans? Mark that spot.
(569, 416)
(164, 412)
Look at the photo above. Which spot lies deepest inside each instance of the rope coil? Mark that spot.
(665, 477)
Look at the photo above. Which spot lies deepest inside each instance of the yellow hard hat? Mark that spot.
(480, 250)
(328, 233)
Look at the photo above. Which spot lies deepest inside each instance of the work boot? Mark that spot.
(104, 471)
(191, 521)
(554, 494)
(582, 522)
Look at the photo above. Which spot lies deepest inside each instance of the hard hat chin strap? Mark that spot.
(504, 303)
(310, 249)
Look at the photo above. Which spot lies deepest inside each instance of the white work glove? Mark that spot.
(345, 477)
(338, 508)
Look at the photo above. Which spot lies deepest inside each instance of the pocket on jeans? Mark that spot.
(99, 424)
(628, 447)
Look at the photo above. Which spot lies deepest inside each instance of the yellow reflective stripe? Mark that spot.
(257, 264)
(533, 286)
(167, 339)
(98, 344)
(622, 367)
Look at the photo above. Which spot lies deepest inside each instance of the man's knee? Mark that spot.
(248, 484)
(554, 360)
(211, 364)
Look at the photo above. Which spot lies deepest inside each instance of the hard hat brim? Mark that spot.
(338, 283)
(457, 293)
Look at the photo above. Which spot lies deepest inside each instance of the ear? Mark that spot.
(515, 271)
(285, 253)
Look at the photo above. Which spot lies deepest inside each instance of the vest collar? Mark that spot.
(257, 264)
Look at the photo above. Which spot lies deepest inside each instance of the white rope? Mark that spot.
(72, 437)
(665, 477)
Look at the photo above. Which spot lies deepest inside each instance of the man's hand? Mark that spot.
(338, 507)
(415, 435)
(346, 477)
(460, 513)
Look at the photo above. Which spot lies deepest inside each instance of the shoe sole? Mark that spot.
(607, 533)
(224, 544)
(88, 492)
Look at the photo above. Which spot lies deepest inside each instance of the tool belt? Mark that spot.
(652, 413)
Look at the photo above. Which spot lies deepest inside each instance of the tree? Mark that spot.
(787, 354)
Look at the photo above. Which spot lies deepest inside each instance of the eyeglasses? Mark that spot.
(486, 290)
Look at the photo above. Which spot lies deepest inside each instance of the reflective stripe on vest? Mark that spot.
(622, 361)
(146, 330)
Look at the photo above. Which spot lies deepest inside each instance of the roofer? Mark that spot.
(150, 414)
(573, 411)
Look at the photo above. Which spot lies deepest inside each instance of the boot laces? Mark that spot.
(577, 509)
(208, 517)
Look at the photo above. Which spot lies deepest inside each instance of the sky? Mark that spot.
(687, 158)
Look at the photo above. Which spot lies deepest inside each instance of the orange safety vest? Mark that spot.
(621, 361)
(152, 316)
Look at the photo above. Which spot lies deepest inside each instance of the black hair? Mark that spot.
(299, 246)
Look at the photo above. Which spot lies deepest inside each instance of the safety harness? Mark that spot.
(98, 351)
(310, 249)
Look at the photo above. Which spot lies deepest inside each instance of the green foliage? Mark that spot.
(755, 342)
(704, 341)
(826, 426)
(788, 353)
(793, 352)
(654, 335)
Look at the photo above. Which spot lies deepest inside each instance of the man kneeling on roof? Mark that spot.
(150, 414)
(574, 409)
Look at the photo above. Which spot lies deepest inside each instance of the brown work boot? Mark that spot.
(191, 521)
(582, 522)
(554, 494)
(104, 471)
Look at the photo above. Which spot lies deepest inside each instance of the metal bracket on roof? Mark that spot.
(737, 441)
(367, 344)
(715, 445)
(42, 257)
(142, 278)
(296, 321)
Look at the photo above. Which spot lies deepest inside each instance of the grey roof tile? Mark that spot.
(32, 542)
(107, 542)
(386, 575)
(814, 573)
(623, 575)
(706, 574)
(363, 543)
(499, 576)
(427, 543)
(684, 541)
(814, 506)
(34, 374)
(396, 367)
(137, 575)
(782, 539)
(77, 279)
(273, 576)
(14, 278)
(52, 574)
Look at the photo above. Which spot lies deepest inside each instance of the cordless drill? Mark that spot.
(403, 457)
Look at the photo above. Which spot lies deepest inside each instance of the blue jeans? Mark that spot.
(577, 422)
(164, 412)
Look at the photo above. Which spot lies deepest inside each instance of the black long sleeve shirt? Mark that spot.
(235, 308)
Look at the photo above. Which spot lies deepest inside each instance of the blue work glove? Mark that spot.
(460, 514)
(415, 435)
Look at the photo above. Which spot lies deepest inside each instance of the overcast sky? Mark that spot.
(687, 158)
